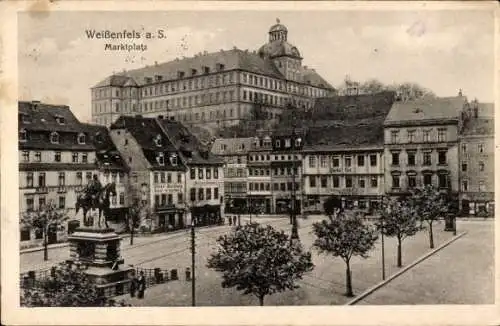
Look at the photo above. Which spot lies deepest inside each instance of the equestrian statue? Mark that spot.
(95, 196)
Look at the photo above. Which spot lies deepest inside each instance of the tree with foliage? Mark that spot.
(332, 206)
(398, 219)
(429, 204)
(46, 217)
(260, 260)
(67, 286)
(345, 236)
(372, 86)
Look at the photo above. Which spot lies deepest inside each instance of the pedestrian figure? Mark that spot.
(230, 220)
(133, 285)
(141, 285)
(234, 219)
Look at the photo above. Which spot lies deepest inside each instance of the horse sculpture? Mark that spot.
(102, 203)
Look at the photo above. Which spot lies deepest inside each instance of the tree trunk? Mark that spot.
(431, 237)
(349, 292)
(400, 259)
(261, 300)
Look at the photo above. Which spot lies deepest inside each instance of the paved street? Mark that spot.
(323, 286)
(461, 273)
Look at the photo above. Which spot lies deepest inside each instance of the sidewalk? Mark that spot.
(462, 273)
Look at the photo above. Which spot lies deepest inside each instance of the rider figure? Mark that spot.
(93, 189)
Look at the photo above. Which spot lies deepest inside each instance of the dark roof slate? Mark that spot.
(43, 116)
(479, 127)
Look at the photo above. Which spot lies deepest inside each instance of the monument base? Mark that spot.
(99, 250)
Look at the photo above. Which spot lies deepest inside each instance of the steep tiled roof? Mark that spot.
(145, 131)
(43, 116)
(235, 146)
(336, 134)
(353, 107)
(231, 59)
(187, 144)
(108, 157)
(479, 127)
(313, 78)
(426, 109)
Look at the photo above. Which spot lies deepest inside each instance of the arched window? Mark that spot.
(54, 138)
(23, 135)
(81, 139)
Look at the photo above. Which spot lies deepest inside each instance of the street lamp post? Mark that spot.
(193, 251)
(295, 233)
(383, 251)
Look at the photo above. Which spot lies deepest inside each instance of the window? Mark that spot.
(75, 157)
(161, 159)
(25, 234)
(192, 173)
(323, 162)
(427, 135)
(170, 199)
(38, 156)
(179, 197)
(373, 160)
(30, 204)
(23, 135)
(348, 182)
(412, 181)
(335, 162)
(481, 166)
(81, 139)
(26, 156)
(62, 202)
(41, 179)
(361, 160)
(480, 148)
(122, 198)
(441, 135)
(443, 180)
(209, 193)
(200, 173)
(84, 158)
(208, 174)
(312, 161)
(41, 202)
(395, 181)
(54, 138)
(427, 158)
(192, 194)
(169, 177)
(278, 144)
(201, 194)
(347, 162)
(464, 167)
(373, 182)
(411, 136)
(361, 182)
(324, 181)
(427, 179)
(411, 158)
(394, 137)
(336, 181)
(481, 186)
(62, 179)
(395, 158)
(465, 185)
(156, 177)
(464, 148)
(312, 181)
(216, 193)
(288, 143)
(29, 179)
(79, 178)
(216, 173)
(442, 157)
(162, 177)
(88, 176)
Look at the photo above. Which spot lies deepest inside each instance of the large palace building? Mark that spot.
(213, 89)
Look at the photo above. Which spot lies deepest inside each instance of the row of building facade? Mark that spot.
(154, 162)
(445, 142)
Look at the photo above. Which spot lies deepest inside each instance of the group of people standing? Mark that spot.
(138, 284)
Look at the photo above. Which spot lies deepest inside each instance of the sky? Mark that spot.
(442, 50)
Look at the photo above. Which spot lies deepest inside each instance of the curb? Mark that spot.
(53, 246)
(413, 264)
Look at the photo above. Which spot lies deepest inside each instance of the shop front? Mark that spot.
(259, 205)
(206, 215)
(477, 204)
(170, 218)
(284, 205)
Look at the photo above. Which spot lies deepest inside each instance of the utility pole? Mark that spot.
(295, 233)
(193, 278)
(383, 246)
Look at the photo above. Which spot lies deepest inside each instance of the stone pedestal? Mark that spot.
(99, 250)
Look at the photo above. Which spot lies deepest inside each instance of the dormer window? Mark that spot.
(54, 138)
(23, 135)
(173, 160)
(180, 74)
(220, 67)
(161, 159)
(278, 143)
(206, 70)
(81, 139)
(60, 120)
(193, 72)
(288, 143)
(158, 141)
(298, 142)
(158, 78)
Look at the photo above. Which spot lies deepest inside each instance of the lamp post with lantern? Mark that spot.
(296, 144)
